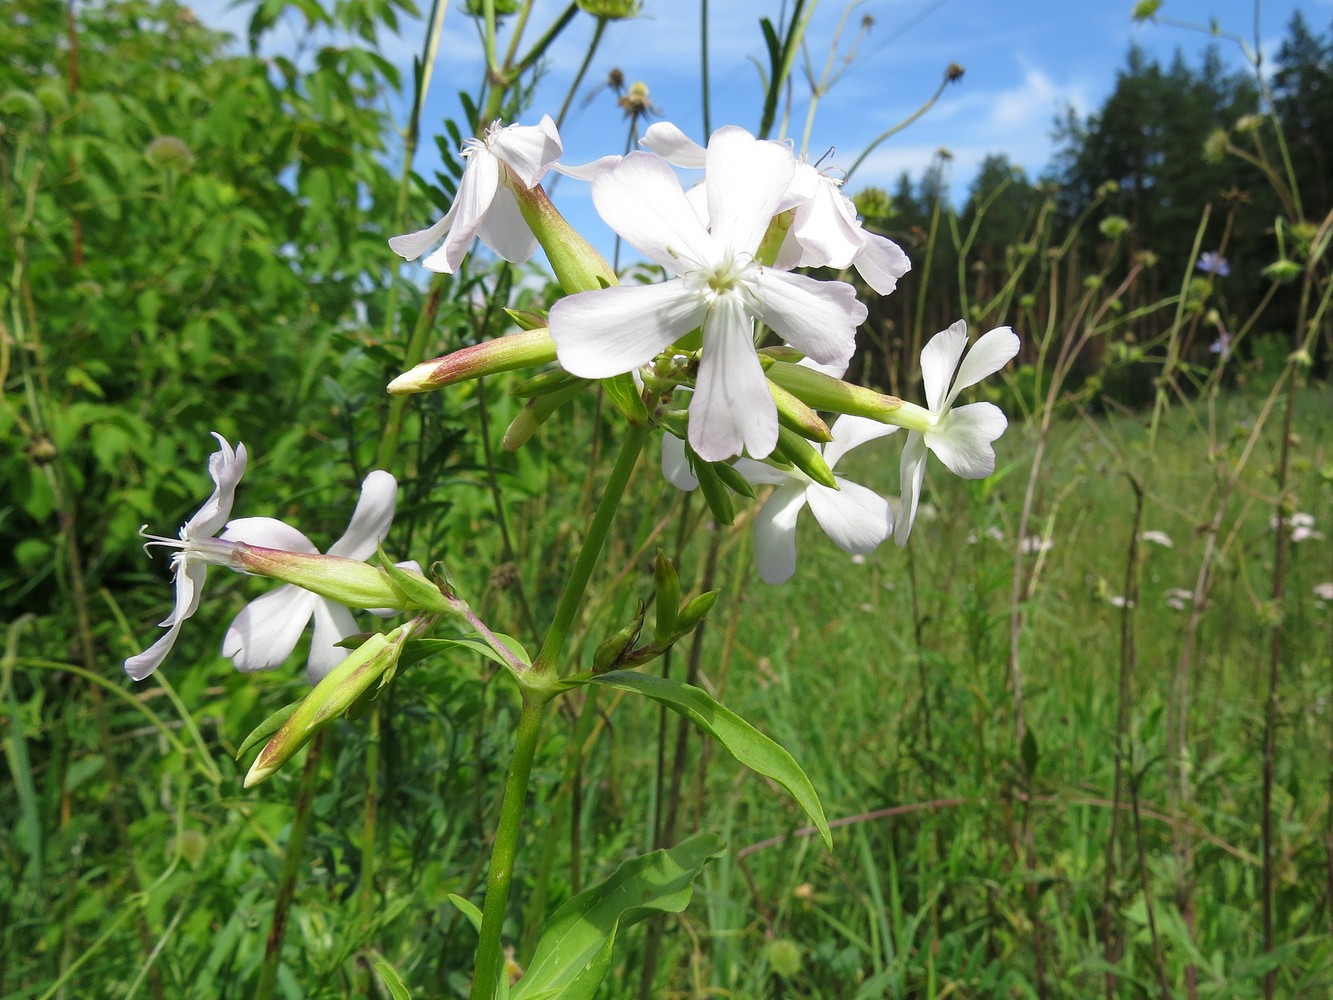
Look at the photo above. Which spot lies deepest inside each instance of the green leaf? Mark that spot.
(747, 744)
(574, 953)
(622, 391)
(424, 647)
(469, 909)
(391, 981)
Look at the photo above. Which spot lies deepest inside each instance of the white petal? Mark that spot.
(857, 519)
(775, 534)
(504, 229)
(371, 520)
(410, 246)
(267, 532)
(527, 150)
(588, 171)
(833, 371)
(674, 146)
(267, 629)
(226, 466)
(881, 263)
(827, 229)
(333, 623)
(963, 439)
(476, 191)
(609, 331)
(988, 355)
(818, 318)
(189, 584)
(912, 474)
(676, 464)
(939, 360)
(732, 409)
(641, 199)
(746, 178)
(851, 432)
(763, 474)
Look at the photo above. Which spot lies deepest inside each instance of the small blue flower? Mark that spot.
(1213, 262)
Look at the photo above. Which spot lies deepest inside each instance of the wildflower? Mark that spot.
(1121, 601)
(1300, 524)
(263, 635)
(1157, 538)
(1178, 599)
(961, 438)
(1035, 544)
(855, 518)
(1324, 591)
(1222, 345)
(485, 205)
(718, 285)
(198, 548)
(1212, 262)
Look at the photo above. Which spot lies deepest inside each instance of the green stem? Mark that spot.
(486, 974)
(291, 866)
(591, 551)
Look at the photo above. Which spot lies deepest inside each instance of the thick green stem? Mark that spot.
(486, 974)
(591, 551)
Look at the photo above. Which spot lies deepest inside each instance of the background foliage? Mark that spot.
(195, 240)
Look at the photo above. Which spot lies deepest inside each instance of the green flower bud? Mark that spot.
(1146, 9)
(1216, 146)
(535, 413)
(615, 649)
(577, 265)
(610, 10)
(166, 152)
(715, 493)
(347, 581)
(1113, 227)
(793, 448)
(824, 392)
(503, 354)
(695, 611)
(666, 594)
(799, 417)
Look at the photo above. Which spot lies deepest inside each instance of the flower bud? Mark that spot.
(615, 649)
(801, 453)
(799, 417)
(824, 392)
(1282, 271)
(693, 612)
(535, 413)
(666, 594)
(330, 698)
(715, 493)
(503, 354)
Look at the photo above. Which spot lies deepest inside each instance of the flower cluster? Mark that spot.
(728, 323)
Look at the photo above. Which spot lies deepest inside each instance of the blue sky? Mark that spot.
(1025, 60)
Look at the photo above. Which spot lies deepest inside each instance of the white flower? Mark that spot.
(197, 548)
(263, 635)
(1178, 598)
(824, 231)
(484, 206)
(1034, 544)
(960, 437)
(1121, 601)
(1324, 591)
(718, 285)
(856, 518)
(1157, 538)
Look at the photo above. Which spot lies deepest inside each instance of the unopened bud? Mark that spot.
(503, 354)
(535, 413)
(801, 453)
(332, 696)
(666, 597)
(577, 265)
(1282, 271)
(1216, 146)
(614, 649)
(798, 416)
(693, 612)
(715, 493)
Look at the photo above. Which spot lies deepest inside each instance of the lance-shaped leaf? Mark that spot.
(748, 745)
(574, 953)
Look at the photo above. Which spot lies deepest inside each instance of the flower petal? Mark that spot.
(963, 439)
(939, 360)
(775, 534)
(912, 474)
(268, 532)
(881, 263)
(850, 432)
(988, 355)
(641, 199)
(588, 171)
(226, 466)
(189, 584)
(732, 409)
(610, 331)
(333, 623)
(410, 246)
(527, 150)
(371, 520)
(674, 146)
(267, 629)
(746, 178)
(676, 464)
(826, 227)
(504, 229)
(763, 474)
(857, 519)
(476, 192)
(818, 318)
